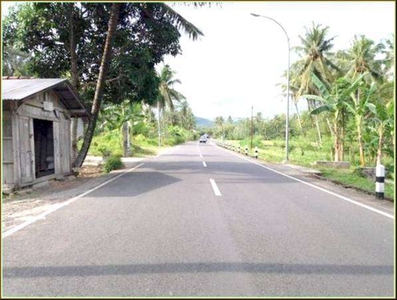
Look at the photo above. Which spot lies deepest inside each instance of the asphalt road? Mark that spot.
(199, 221)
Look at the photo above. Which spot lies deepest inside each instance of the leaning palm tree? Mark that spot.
(148, 11)
(100, 86)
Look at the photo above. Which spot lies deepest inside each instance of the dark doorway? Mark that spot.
(43, 147)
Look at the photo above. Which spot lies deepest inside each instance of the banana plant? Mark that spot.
(333, 100)
(360, 108)
(123, 117)
(381, 124)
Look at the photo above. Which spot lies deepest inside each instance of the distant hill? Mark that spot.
(201, 122)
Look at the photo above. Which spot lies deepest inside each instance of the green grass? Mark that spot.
(109, 143)
(274, 151)
(305, 154)
(348, 177)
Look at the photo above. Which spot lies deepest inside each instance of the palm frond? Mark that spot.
(181, 23)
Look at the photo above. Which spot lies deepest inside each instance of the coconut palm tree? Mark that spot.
(361, 61)
(389, 59)
(167, 94)
(314, 52)
(148, 10)
(100, 86)
(294, 85)
(361, 58)
(186, 116)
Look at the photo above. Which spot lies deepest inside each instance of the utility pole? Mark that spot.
(252, 117)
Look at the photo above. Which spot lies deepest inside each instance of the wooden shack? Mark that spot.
(36, 117)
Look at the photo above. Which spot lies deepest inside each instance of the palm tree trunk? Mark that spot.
(299, 119)
(320, 142)
(311, 107)
(158, 122)
(74, 78)
(360, 141)
(96, 105)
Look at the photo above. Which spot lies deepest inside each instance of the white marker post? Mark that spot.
(256, 152)
(239, 149)
(380, 182)
(246, 150)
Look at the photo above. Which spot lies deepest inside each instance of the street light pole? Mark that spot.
(287, 116)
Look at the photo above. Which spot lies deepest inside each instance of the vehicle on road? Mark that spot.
(203, 139)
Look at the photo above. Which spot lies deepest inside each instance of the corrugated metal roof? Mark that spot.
(19, 89)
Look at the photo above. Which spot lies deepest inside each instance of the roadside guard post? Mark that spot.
(239, 149)
(380, 182)
(256, 152)
(246, 150)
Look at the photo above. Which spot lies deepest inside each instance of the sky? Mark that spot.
(241, 58)
(239, 61)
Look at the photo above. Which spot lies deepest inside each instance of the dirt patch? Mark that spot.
(90, 171)
(54, 186)
(29, 202)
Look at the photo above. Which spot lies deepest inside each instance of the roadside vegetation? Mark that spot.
(110, 51)
(350, 111)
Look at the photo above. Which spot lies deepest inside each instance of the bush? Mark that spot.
(140, 139)
(106, 144)
(112, 163)
(177, 135)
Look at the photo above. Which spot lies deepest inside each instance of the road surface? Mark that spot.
(201, 221)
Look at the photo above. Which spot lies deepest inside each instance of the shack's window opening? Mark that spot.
(44, 147)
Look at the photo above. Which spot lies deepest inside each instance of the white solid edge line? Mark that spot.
(316, 187)
(204, 164)
(56, 207)
(215, 188)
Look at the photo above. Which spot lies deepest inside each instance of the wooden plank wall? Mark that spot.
(8, 150)
(16, 166)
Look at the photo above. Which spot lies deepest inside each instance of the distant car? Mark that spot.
(203, 139)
